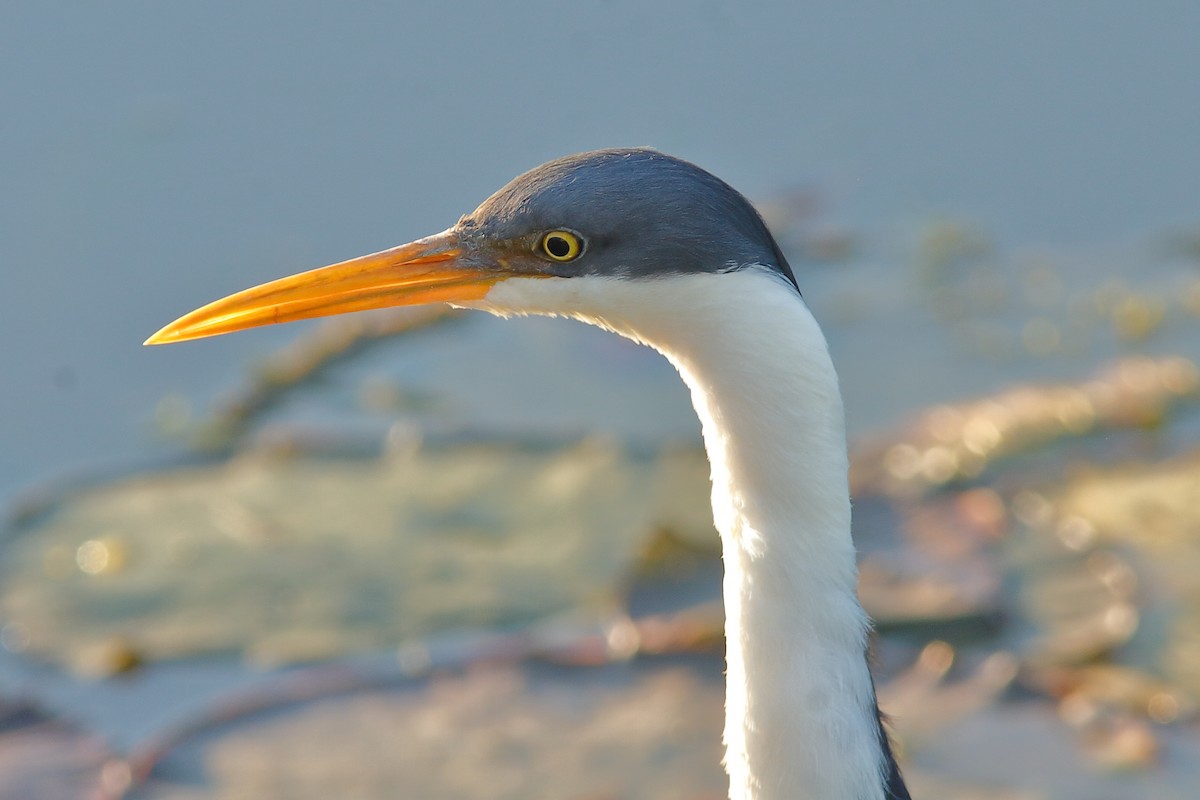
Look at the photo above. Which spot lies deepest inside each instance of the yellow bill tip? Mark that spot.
(163, 336)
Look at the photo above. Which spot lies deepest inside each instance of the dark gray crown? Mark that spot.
(642, 213)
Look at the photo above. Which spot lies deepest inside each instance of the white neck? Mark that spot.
(800, 707)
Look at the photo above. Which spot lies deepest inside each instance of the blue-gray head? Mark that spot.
(631, 214)
(634, 213)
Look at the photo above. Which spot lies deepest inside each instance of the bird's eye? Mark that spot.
(562, 245)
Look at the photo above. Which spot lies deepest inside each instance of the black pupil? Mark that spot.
(557, 246)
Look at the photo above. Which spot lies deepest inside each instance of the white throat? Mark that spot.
(800, 709)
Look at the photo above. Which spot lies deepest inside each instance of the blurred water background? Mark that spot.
(975, 198)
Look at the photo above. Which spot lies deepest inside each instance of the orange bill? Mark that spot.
(428, 270)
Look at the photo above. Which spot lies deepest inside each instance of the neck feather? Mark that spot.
(801, 718)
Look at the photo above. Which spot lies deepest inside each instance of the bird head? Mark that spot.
(626, 216)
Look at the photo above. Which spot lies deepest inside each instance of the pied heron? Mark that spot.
(658, 250)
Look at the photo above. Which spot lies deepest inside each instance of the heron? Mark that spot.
(660, 251)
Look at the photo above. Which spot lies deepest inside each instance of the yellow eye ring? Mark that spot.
(562, 245)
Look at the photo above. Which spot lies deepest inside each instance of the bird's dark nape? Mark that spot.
(894, 787)
(782, 263)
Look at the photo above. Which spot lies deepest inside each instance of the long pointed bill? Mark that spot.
(428, 270)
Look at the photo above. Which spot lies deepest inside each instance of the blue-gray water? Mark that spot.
(156, 156)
